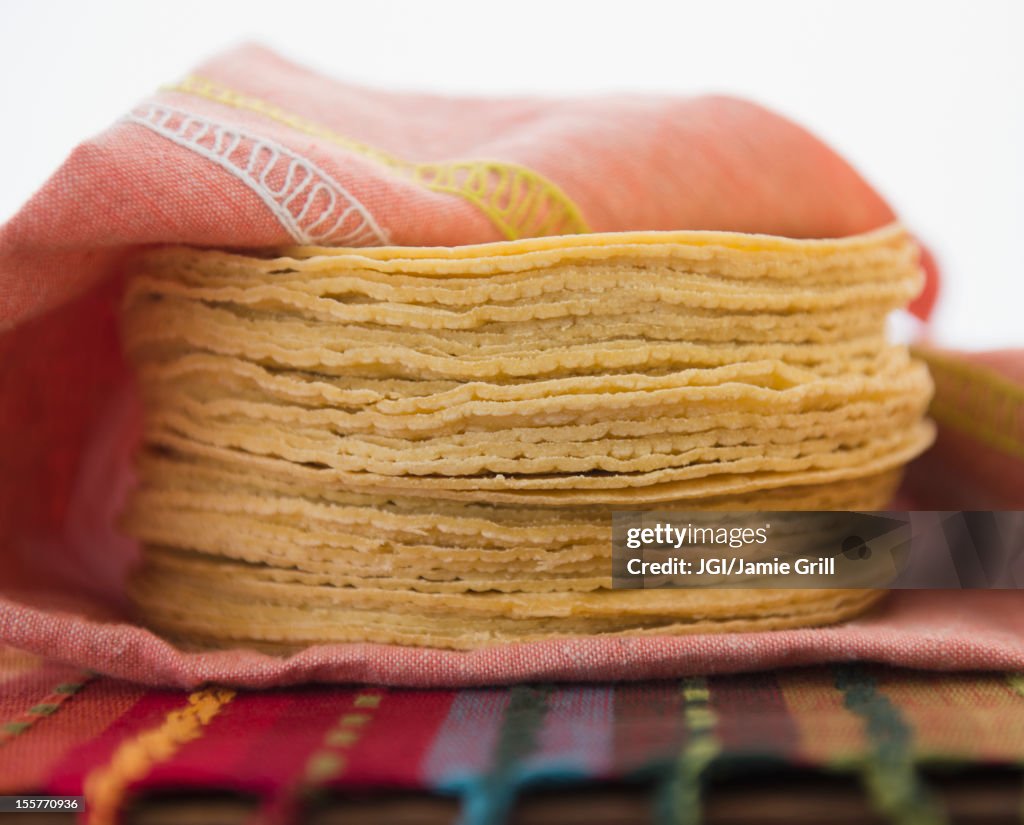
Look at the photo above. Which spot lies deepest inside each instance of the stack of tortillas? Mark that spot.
(423, 446)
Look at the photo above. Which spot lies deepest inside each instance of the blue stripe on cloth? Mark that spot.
(490, 800)
(576, 737)
(466, 744)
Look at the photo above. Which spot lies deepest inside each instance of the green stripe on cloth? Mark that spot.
(680, 797)
(491, 799)
(59, 694)
(876, 724)
(888, 768)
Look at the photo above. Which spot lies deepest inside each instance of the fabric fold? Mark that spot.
(251, 151)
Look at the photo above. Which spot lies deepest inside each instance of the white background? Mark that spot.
(925, 98)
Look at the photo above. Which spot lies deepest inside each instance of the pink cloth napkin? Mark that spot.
(253, 151)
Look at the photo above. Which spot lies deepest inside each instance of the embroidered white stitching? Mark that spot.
(309, 203)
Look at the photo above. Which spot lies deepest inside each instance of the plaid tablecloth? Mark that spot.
(64, 731)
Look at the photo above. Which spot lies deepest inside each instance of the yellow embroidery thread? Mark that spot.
(519, 202)
(105, 787)
(977, 400)
(330, 761)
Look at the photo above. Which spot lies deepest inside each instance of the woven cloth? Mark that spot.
(253, 151)
(63, 731)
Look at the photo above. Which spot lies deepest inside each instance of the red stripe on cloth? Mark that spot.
(649, 728)
(753, 716)
(256, 745)
(150, 710)
(28, 763)
(399, 734)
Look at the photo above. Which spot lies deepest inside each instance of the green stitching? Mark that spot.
(41, 710)
(888, 770)
(681, 796)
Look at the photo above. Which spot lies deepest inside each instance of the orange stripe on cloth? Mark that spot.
(14, 662)
(105, 788)
(829, 735)
(974, 716)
